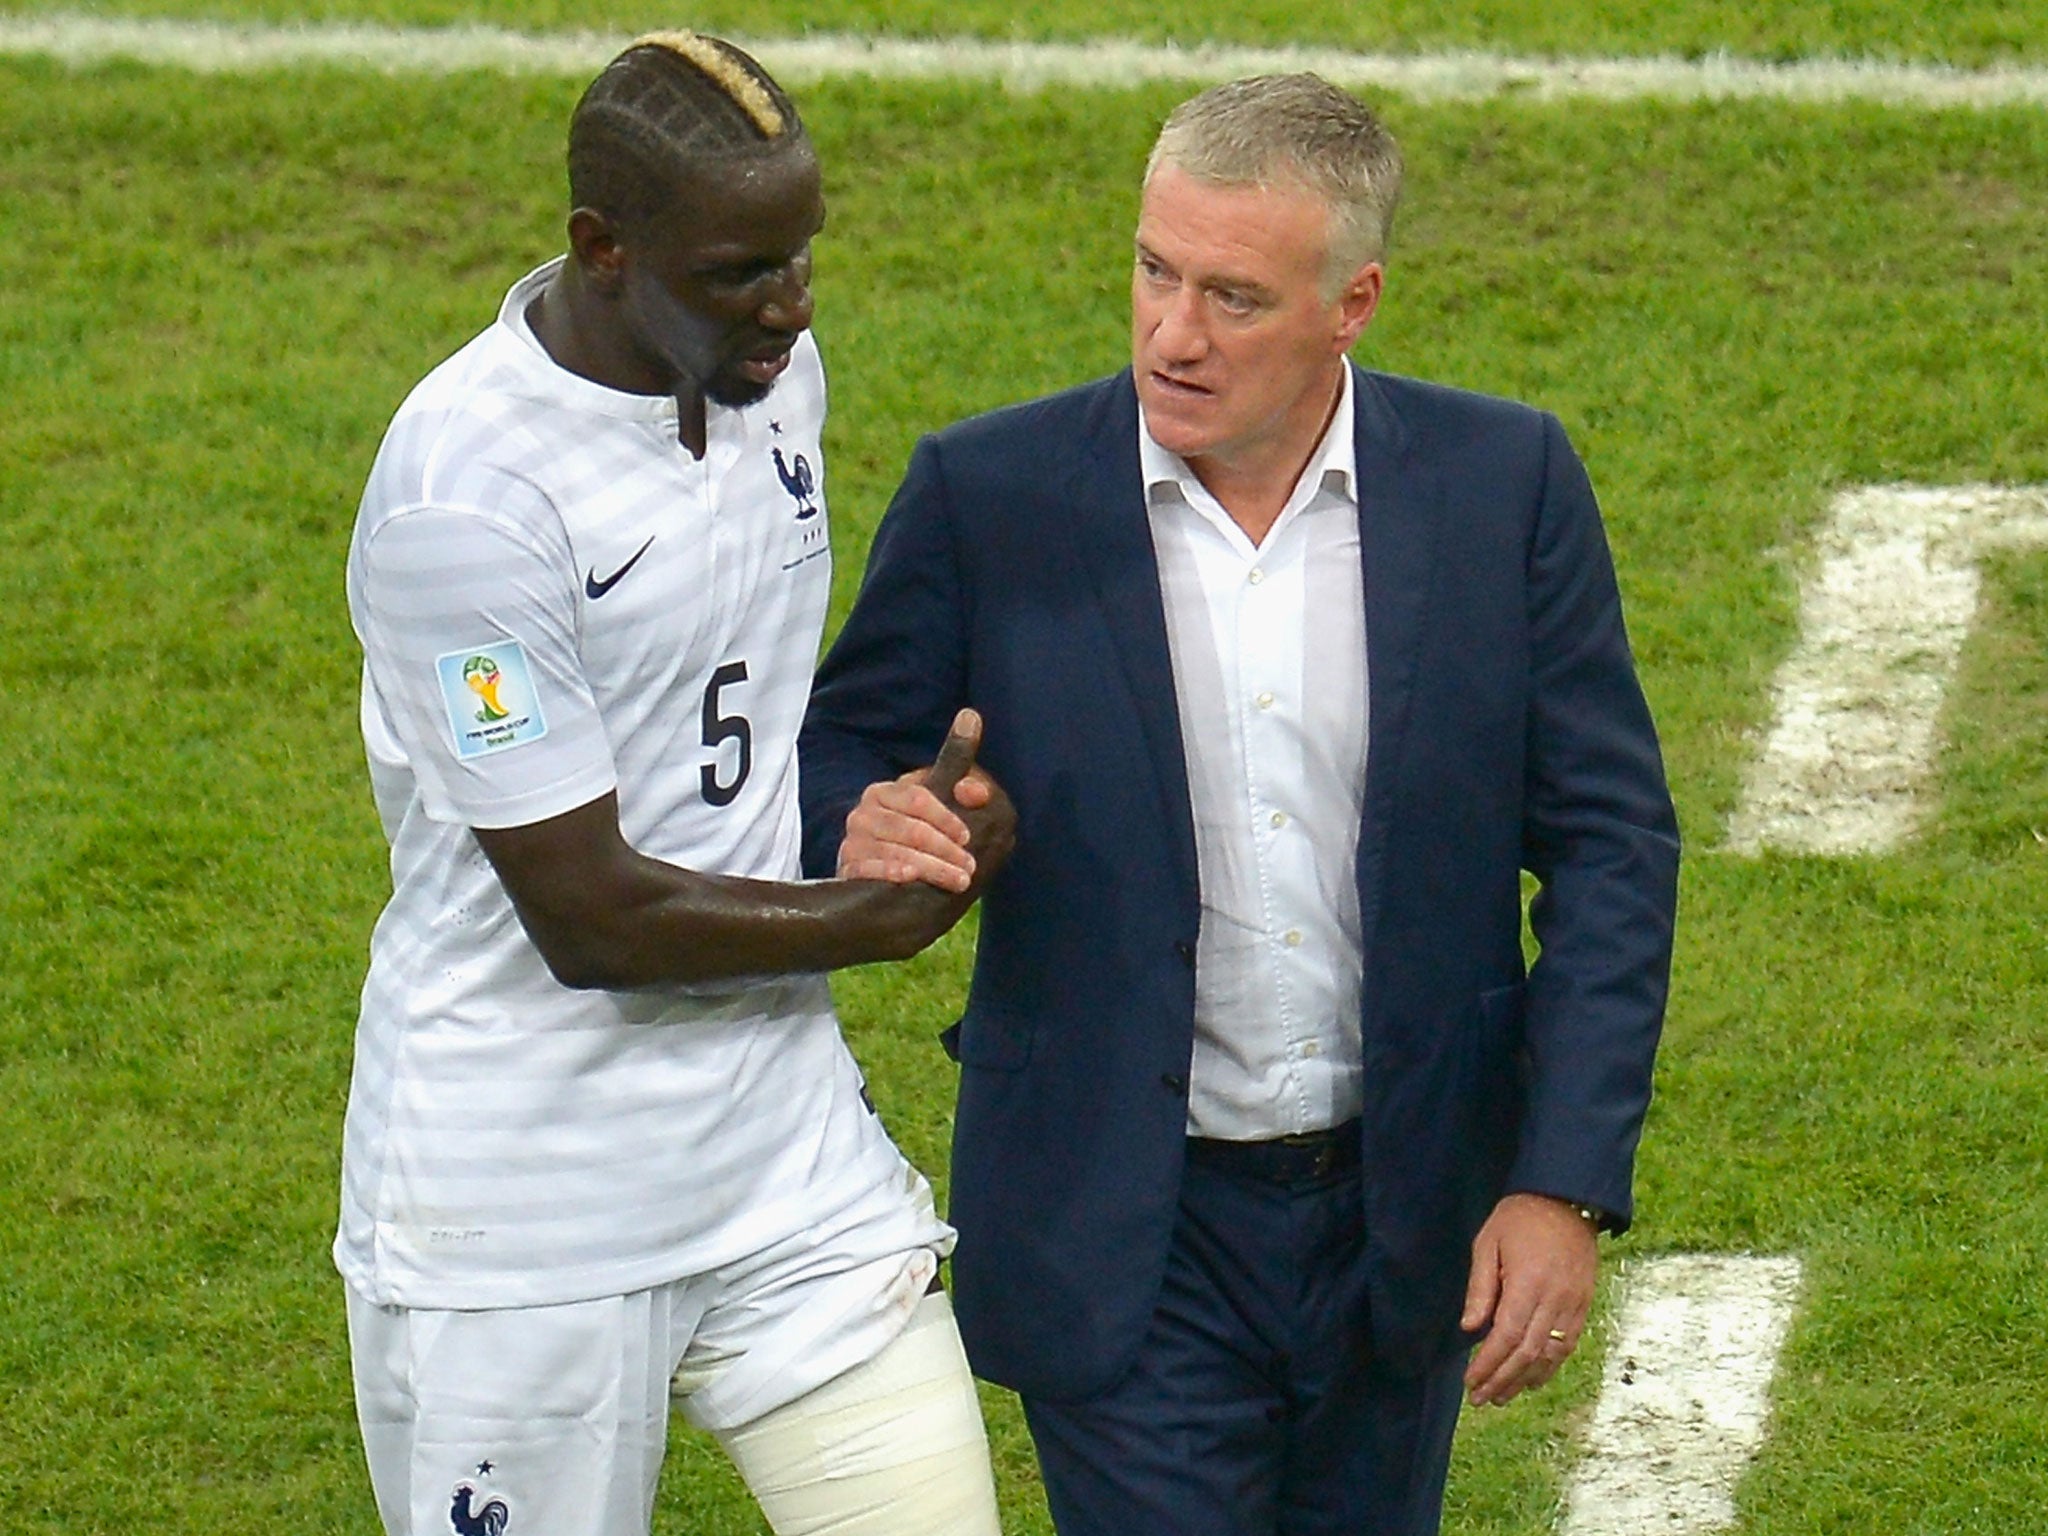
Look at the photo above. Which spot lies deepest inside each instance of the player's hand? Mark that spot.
(949, 825)
(1533, 1268)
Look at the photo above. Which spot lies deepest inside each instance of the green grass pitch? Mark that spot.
(213, 292)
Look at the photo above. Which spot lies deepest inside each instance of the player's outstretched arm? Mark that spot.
(606, 916)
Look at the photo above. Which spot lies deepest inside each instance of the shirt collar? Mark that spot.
(553, 383)
(1336, 455)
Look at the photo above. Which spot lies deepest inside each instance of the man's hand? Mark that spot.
(1533, 1268)
(949, 825)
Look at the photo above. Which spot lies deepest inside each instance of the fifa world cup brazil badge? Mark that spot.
(490, 697)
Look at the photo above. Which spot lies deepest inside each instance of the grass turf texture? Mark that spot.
(215, 294)
(1959, 32)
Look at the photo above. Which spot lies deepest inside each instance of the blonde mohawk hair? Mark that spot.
(667, 107)
(714, 60)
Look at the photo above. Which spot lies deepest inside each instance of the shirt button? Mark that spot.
(1311, 1048)
(1264, 701)
(1256, 576)
(1279, 818)
(1293, 937)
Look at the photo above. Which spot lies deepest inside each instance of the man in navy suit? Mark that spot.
(1270, 1148)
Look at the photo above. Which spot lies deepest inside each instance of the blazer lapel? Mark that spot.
(1113, 542)
(1397, 523)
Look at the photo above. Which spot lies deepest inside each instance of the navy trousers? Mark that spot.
(1255, 1407)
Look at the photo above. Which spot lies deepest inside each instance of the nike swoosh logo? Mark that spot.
(594, 589)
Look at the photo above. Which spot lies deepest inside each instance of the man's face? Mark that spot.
(717, 293)
(1235, 350)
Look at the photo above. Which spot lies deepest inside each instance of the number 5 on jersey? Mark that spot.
(721, 728)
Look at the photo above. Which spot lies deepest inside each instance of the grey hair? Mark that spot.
(1294, 131)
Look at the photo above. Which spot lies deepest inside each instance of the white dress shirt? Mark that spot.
(1268, 648)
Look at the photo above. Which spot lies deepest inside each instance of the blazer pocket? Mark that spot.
(1498, 1053)
(1496, 1088)
(1500, 1014)
(990, 1038)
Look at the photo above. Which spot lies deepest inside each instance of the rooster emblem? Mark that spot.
(799, 482)
(488, 1521)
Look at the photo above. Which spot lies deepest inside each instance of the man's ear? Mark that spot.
(1357, 302)
(594, 246)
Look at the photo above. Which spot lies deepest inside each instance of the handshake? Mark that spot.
(949, 825)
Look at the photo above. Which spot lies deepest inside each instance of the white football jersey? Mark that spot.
(555, 600)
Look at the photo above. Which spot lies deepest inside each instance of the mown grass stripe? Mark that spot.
(230, 47)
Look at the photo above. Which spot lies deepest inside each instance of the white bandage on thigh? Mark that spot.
(894, 1447)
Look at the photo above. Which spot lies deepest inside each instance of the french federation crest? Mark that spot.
(468, 1518)
(801, 484)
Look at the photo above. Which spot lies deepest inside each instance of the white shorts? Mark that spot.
(552, 1421)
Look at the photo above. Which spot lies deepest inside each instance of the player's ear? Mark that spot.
(594, 245)
(1357, 302)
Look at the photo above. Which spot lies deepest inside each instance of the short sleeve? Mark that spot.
(468, 627)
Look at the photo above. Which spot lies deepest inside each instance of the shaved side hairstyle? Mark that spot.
(670, 104)
(1294, 131)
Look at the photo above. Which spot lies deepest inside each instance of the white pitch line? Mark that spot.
(1857, 706)
(229, 47)
(1684, 1398)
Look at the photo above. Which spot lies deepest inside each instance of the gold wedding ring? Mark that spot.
(1557, 1334)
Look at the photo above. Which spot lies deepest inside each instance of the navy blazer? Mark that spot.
(1014, 572)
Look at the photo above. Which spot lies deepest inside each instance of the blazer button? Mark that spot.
(1186, 951)
(1174, 1083)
